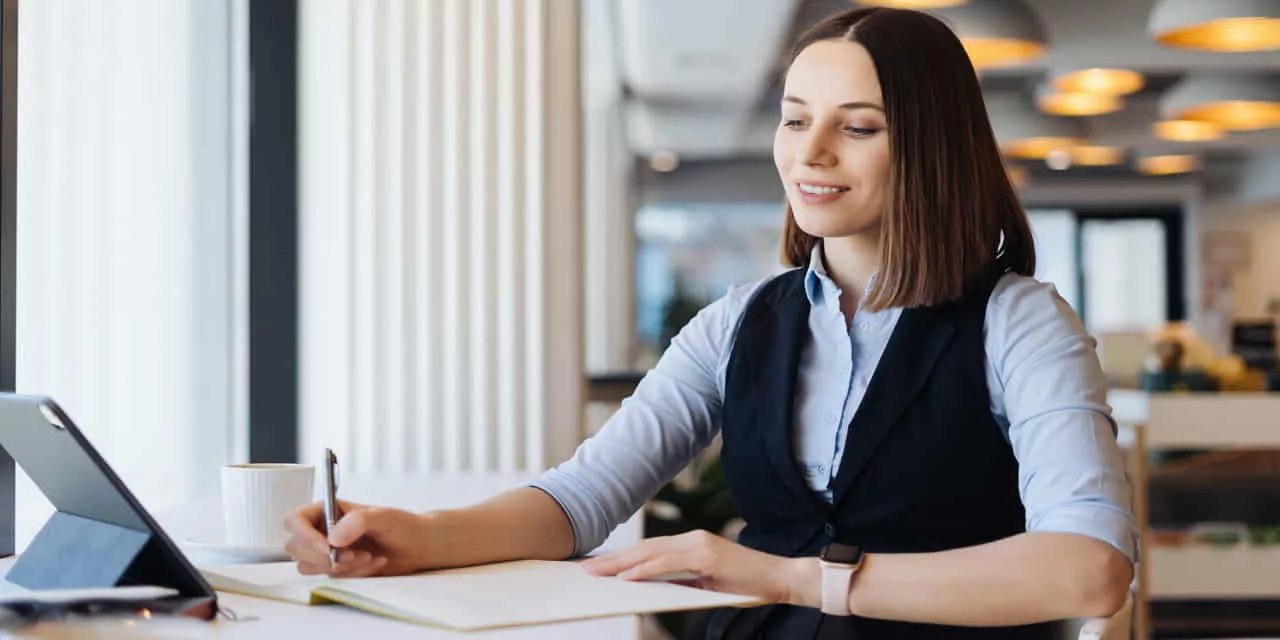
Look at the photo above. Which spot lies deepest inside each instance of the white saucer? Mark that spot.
(234, 553)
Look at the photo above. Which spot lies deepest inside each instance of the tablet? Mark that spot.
(100, 535)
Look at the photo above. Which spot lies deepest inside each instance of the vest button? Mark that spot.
(829, 529)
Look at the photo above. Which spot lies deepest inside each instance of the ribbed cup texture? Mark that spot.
(257, 498)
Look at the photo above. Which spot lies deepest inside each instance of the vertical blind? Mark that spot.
(440, 233)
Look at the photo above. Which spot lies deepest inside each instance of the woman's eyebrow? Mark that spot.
(847, 105)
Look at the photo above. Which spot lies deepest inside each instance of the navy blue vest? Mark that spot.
(925, 466)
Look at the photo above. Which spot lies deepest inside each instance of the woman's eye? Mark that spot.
(858, 131)
(792, 124)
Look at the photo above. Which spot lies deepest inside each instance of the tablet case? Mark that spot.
(100, 536)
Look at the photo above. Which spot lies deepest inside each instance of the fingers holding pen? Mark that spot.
(369, 541)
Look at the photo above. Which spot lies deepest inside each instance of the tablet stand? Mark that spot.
(72, 552)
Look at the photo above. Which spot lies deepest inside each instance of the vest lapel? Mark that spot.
(918, 339)
(776, 338)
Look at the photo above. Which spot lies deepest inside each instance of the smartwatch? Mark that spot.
(839, 562)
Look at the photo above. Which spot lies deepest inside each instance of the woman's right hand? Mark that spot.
(372, 541)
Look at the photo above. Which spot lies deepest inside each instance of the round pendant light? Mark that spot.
(912, 4)
(1188, 130)
(1096, 156)
(1233, 101)
(1217, 25)
(1024, 132)
(1084, 156)
(996, 32)
(1018, 176)
(1076, 103)
(1169, 164)
(1116, 82)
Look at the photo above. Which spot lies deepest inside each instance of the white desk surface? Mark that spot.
(269, 620)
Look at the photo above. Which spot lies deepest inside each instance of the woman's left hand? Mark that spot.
(714, 562)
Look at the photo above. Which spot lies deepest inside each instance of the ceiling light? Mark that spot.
(996, 32)
(1097, 156)
(1220, 25)
(912, 4)
(1164, 165)
(1188, 130)
(1079, 104)
(1235, 102)
(664, 161)
(1018, 176)
(1058, 159)
(1039, 147)
(1024, 132)
(1116, 82)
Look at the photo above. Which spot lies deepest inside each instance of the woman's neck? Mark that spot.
(851, 262)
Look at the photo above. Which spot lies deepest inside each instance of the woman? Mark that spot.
(976, 470)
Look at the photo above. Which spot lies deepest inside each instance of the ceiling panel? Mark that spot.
(717, 61)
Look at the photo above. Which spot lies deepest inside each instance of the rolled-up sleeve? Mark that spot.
(1052, 397)
(673, 415)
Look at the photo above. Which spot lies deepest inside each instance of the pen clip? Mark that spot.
(333, 469)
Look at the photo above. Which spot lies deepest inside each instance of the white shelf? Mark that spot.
(1128, 406)
(1200, 420)
(1197, 421)
(1206, 573)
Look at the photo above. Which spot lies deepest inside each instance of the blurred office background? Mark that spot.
(451, 234)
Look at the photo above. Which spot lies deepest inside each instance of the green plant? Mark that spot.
(704, 503)
(681, 307)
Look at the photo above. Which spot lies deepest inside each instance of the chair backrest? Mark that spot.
(1116, 627)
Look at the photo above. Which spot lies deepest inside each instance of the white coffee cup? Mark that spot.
(256, 499)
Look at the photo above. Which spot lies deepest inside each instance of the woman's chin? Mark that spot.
(833, 228)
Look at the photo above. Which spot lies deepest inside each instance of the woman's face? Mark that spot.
(832, 146)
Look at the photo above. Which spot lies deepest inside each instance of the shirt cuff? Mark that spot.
(577, 505)
(1100, 521)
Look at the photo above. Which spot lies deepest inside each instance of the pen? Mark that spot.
(331, 511)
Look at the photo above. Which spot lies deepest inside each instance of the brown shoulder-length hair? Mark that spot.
(953, 219)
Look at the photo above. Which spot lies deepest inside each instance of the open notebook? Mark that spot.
(497, 595)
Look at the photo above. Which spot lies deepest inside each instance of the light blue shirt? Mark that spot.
(1048, 394)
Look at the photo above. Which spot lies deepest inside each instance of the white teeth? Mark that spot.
(821, 190)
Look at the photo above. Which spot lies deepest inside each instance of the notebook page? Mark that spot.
(517, 593)
(274, 580)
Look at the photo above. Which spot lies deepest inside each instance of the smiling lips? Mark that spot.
(819, 192)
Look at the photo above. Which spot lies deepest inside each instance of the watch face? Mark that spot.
(842, 553)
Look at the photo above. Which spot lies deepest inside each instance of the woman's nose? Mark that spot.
(814, 150)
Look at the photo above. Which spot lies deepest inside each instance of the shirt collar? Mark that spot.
(816, 280)
(818, 285)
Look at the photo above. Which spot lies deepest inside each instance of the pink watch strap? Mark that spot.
(836, 579)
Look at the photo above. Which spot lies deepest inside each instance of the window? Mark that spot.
(1056, 261)
(125, 297)
(1132, 268)
(687, 256)
(1124, 272)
